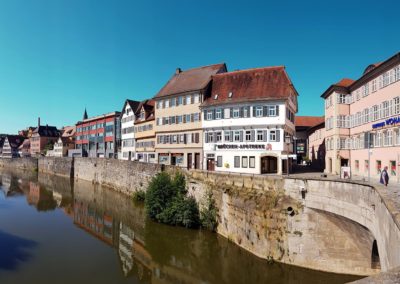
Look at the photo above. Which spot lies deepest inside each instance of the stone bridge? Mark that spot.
(374, 208)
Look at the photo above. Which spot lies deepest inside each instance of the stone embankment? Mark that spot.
(322, 224)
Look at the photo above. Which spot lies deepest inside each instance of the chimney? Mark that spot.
(178, 70)
(38, 122)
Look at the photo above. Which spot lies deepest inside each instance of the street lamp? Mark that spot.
(288, 140)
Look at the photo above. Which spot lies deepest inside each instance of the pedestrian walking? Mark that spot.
(384, 176)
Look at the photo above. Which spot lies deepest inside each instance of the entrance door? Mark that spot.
(210, 164)
(269, 165)
(197, 160)
(189, 160)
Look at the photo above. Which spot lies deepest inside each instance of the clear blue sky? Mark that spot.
(58, 56)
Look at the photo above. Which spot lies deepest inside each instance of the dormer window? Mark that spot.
(142, 115)
(216, 97)
(230, 95)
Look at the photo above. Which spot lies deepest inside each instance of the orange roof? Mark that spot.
(345, 82)
(308, 121)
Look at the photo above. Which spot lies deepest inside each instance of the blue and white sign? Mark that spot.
(390, 121)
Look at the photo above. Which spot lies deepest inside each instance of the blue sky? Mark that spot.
(58, 56)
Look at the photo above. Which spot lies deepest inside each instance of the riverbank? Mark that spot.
(321, 224)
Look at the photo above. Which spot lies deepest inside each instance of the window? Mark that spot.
(244, 162)
(230, 95)
(260, 135)
(219, 161)
(159, 104)
(375, 112)
(188, 118)
(252, 162)
(227, 136)
(396, 105)
(209, 115)
(166, 103)
(236, 136)
(385, 109)
(272, 135)
(246, 112)
(259, 111)
(397, 73)
(237, 161)
(218, 113)
(196, 98)
(180, 101)
(218, 136)
(236, 113)
(341, 98)
(272, 110)
(196, 117)
(374, 85)
(210, 137)
(248, 135)
(188, 99)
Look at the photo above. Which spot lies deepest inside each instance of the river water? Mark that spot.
(55, 231)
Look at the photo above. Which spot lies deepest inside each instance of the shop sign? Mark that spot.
(245, 146)
(389, 121)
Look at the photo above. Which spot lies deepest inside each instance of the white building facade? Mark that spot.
(246, 120)
(128, 145)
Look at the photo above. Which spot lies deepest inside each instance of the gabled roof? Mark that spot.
(190, 80)
(15, 140)
(132, 103)
(47, 131)
(148, 106)
(308, 121)
(2, 141)
(268, 83)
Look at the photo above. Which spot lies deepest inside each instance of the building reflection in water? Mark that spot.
(148, 251)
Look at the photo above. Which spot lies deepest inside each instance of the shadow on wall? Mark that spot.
(14, 250)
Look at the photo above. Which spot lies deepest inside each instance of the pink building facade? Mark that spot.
(362, 122)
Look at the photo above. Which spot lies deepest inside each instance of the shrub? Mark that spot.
(208, 214)
(166, 201)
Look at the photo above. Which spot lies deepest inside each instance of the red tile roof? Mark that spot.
(308, 121)
(148, 106)
(250, 85)
(345, 82)
(190, 80)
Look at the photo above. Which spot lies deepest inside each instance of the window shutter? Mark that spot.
(215, 137)
(248, 111)
(197, 136)
(278, 135)
(184, 139)
(184, 118)
(241, 112)
(206, 138)
(277, 110)
(205, 114)
(191, 117)
(231, 136)
(213, 114)
(254, 111)
(184, 100)
(265, 134)
(253, 138)
(241, 136)
(222, 113)
(231, 112)
(265, 111)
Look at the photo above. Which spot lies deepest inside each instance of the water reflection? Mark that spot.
(149, 252)
(14, 250)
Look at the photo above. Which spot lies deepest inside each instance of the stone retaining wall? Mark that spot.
(56, 166)
(20, 163)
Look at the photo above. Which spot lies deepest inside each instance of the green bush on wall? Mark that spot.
(166, 201)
